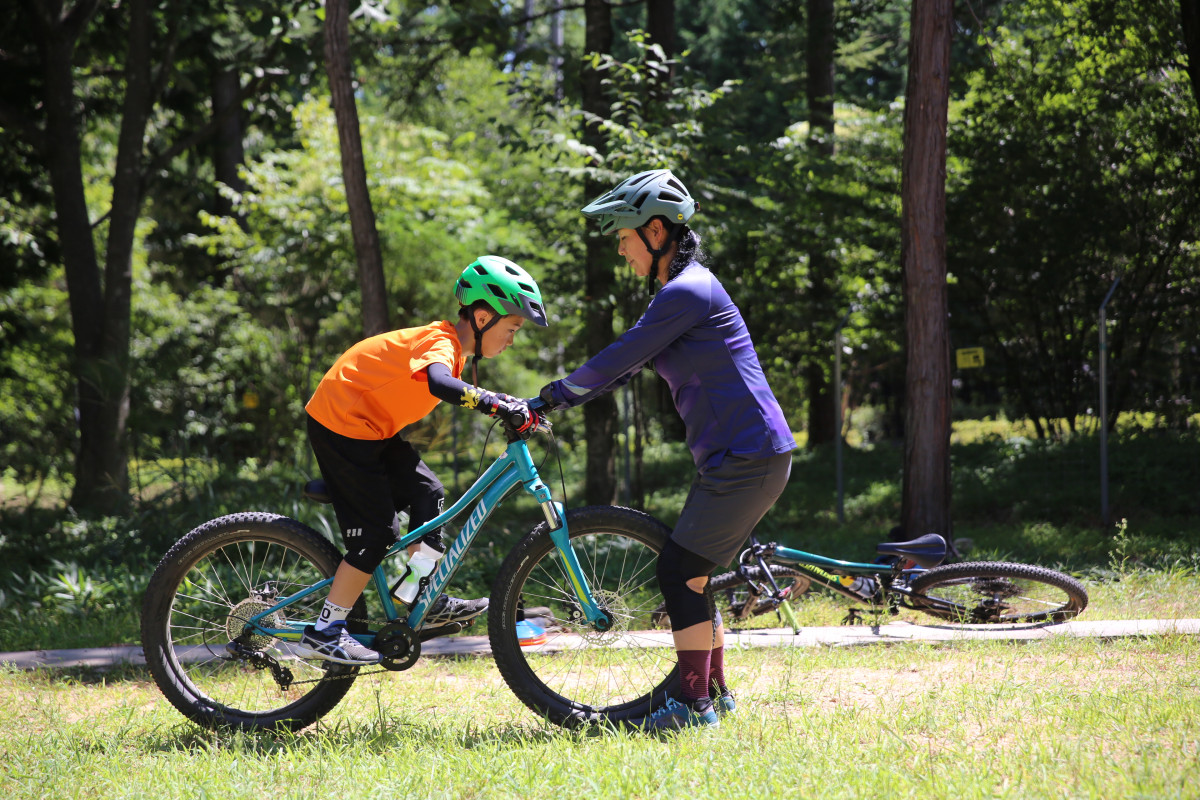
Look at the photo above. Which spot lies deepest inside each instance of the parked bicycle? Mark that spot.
(771, 577)
(227, 605)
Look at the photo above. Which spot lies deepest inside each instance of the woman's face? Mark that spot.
(631, 247)
(500, 336)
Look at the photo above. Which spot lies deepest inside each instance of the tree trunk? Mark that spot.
(229, 151)
(822, 418)
(1190, 14)
(354, 174)
(660, 26)
(100, 314)
(600, 415)
(926, 495)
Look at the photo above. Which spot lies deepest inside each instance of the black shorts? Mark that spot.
(369, 482)
(725, 503)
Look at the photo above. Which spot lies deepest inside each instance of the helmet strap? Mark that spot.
(673, 232)
(479, 332)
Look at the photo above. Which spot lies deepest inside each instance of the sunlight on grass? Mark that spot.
(969, 720)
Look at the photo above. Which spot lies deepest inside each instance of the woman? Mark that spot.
(738, 437)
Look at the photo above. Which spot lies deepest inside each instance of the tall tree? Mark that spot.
(822, 422)
(600, 415)
(1190, 16)
(660, 27)
(367, 250)
(100, 299)
(926, 493)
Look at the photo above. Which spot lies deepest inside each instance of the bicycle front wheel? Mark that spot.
(576, 675)
(996, 592)
(195, 611)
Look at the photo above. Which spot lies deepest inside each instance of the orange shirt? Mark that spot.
(378, 386)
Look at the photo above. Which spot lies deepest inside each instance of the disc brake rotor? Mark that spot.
(618, 611)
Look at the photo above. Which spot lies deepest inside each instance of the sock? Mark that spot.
(693, 674)
(716, 669)
(331, 614)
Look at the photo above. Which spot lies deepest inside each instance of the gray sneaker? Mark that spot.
(335, 644)
(447, 609)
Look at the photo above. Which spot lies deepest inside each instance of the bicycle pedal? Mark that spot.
(425, 634)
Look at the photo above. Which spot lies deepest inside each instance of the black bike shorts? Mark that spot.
(725, 503)
(369, 482)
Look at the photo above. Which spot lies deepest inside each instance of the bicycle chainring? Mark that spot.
(399, 645)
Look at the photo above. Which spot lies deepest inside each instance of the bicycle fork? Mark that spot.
(593, 612)
(776, 594)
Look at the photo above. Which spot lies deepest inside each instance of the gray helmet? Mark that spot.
(637, 200)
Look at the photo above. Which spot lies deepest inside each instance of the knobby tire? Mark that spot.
(198, 600)
(988, 592)
(579, 676)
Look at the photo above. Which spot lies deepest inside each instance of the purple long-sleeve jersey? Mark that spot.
(699, 344)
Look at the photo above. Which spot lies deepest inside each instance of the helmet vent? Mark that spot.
(674, 198)
(480, 269)
(496, 290)
(641, 198)
(511, 270)
(527, 287)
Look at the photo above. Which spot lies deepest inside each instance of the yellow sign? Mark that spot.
(969, 357)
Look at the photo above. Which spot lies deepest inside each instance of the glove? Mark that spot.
(546, 395)
(516, 413)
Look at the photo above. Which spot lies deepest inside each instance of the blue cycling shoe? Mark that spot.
(675, 716)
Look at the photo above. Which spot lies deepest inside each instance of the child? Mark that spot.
(355, 422)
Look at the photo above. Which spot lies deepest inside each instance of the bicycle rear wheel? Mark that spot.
(733, 598)
(997, 592)
(579, 675)
(196, 606)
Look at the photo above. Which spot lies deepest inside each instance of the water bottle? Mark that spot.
(862, 585)
(420, 565)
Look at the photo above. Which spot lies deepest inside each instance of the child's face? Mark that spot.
(499, 337)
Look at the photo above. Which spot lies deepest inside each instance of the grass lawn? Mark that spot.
(1054, 719)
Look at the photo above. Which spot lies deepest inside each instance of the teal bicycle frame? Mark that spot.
(511, 469)
(825, 571)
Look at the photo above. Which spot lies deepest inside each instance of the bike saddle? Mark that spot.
(927, 551)
(318, 491)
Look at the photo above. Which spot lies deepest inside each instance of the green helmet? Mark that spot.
(637, 200)
(504, 286)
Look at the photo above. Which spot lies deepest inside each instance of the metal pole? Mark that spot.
(1104, 405)
(837, 416)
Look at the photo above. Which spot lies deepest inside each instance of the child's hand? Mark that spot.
(517, 413)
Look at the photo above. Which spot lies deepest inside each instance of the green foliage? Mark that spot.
(819, 245)
(1076, 163)
(37, 423)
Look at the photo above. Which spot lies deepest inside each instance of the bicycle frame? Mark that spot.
(825, 572)
(513, 468)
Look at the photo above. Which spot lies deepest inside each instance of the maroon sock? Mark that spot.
(693, 673)
(716, 669)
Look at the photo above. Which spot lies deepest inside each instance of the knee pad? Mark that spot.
(686, 607)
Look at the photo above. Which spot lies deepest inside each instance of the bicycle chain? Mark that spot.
(348, 676)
